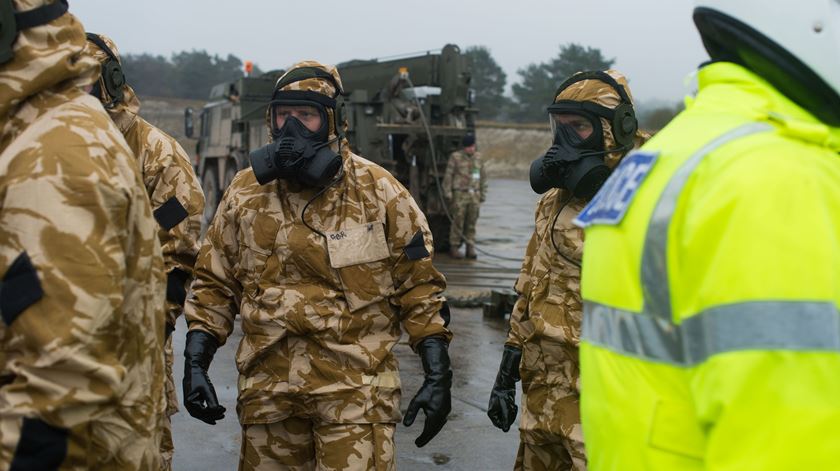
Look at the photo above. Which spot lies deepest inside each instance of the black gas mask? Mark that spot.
(570, 164)
(297, 154)
(577, 163)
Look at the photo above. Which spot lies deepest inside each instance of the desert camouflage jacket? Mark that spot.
(82, 322)
(320, 314)
(545, 322)
(175, 194)
(465, 173)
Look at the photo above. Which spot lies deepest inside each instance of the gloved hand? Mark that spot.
(502, 409)
(199, 396)
(434, 396)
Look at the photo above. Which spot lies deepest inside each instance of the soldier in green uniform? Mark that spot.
(465, 188)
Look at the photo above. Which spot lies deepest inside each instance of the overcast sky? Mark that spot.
(653, 41)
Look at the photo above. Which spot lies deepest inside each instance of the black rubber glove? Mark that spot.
(434, 396)
(502, 409)
(199, 396)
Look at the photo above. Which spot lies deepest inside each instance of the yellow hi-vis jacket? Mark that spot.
(711, 286)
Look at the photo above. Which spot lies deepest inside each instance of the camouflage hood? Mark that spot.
(601, 93)
(124, 113)
(46, 58)
(317, 85)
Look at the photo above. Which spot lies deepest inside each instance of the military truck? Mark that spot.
(231, 124)
(406, 113)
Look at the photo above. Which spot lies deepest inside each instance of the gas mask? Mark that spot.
(576, 159)
(572, 162)
(297, 153)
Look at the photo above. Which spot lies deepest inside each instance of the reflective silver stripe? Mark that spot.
(762, 325)
(657, 292)
(628, 333)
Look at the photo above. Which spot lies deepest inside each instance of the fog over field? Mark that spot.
(653, 42)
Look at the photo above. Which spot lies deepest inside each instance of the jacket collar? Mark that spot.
(731, 87)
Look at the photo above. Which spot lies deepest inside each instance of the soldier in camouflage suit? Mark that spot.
(81, 385)
(324, 294)
(542, 345)
(465, 188)
(177, 204)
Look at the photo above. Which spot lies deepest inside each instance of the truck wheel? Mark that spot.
(210, 185)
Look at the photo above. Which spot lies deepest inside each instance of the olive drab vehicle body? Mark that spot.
(407, 114)
(230, 125)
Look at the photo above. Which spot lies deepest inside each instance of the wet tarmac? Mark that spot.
(504, 228)
(468, 441)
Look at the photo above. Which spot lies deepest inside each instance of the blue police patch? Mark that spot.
(610, 204)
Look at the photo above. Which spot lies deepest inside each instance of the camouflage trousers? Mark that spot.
(109, 443)
(550, 431)
(167, 447)
(300, 444)
(464, 209)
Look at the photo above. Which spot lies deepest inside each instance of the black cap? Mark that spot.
(468, 140)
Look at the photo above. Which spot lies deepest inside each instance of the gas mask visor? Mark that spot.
(586, 124)
(307, 107)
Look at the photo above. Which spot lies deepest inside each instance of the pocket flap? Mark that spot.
(675, 429)
(384, 380)
(362, 244)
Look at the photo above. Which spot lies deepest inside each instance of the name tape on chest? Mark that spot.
(361, 244)
(610, 204)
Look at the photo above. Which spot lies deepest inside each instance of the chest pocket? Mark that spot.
(361, 257)
(257, 234)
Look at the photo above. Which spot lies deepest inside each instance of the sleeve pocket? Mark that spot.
(258, 235)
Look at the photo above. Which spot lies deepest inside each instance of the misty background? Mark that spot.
(521, 50)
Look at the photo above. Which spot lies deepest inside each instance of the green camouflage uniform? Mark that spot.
(546, 319)
(82, 367)
(465, 187)
(320, 315)
(177, 203)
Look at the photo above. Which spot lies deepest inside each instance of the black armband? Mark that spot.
(416, 249)
(170, 213)
(19, 289)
